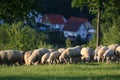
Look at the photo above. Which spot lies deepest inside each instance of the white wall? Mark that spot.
(57, 26)
(69, 33)
(81, 31)
(88, 25)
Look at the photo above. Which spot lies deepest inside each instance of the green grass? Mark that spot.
(91, 71)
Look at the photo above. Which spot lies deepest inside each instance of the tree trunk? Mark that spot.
(98, 27)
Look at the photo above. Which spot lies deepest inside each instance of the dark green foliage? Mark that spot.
(17, 36)
(112, 35)
(56, 38)
(78, 41)
(68, 43)
(14, 10)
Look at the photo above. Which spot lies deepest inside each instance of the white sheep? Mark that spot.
(70, 53)
(3, 57)
(60, 50)
(26, 57)
(100, 52)
(117, 54)
(36, 55)
(54, 56)
(109, 53)
(44, 58)
(86, 53)
(96, 52)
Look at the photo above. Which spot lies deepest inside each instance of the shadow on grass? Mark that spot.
(107, 77)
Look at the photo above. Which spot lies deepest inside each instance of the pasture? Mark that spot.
(90, 71)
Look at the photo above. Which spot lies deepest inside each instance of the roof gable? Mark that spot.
(74, 23)
(72, 26)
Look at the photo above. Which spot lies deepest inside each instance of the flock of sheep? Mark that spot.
(62, 55)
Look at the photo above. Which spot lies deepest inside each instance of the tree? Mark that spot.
(68, 43)
(112, 35)
(95, 6)
(98, 7)
(20, 37)
(14, 10)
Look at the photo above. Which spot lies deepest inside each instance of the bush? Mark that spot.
(17, 36)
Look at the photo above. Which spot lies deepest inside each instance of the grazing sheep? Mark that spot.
(54, 56)
(60, 50)
(113, 47)
(51, 50)
(44, 58)
(3, 57)
(14, 56)
(117, 54)
(70, 53)
(108, 55)
(100, 52)
(96, 52)
(87, 53)
(26, 56)
(35, 58)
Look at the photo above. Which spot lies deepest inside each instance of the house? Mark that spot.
(54, 22)
(78, 27)
(34, 16)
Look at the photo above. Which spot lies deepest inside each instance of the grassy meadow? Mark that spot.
(91, 71)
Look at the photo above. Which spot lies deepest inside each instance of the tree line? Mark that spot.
(104, 16)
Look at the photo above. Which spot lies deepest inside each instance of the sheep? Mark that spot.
(96, 51)
(113, 47)
(60, 50)
(86, 53)
(26, 56)
(118, 54)
(51, 50)
(44, 58)
(53, 56)
(3, 57)
(70, 53)
(14, 56)
(108, 55)
(100, 52)
(35, 58)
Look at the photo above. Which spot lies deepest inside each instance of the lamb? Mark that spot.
(26, 56)
(54, 56)
(70, 53)
(87, 53)
(108, 55)
(35, 58)
(44, 58)
(118, 54)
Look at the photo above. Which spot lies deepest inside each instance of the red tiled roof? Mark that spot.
(72, 26)
(76, 19)
(55, 19)
(74, 23)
